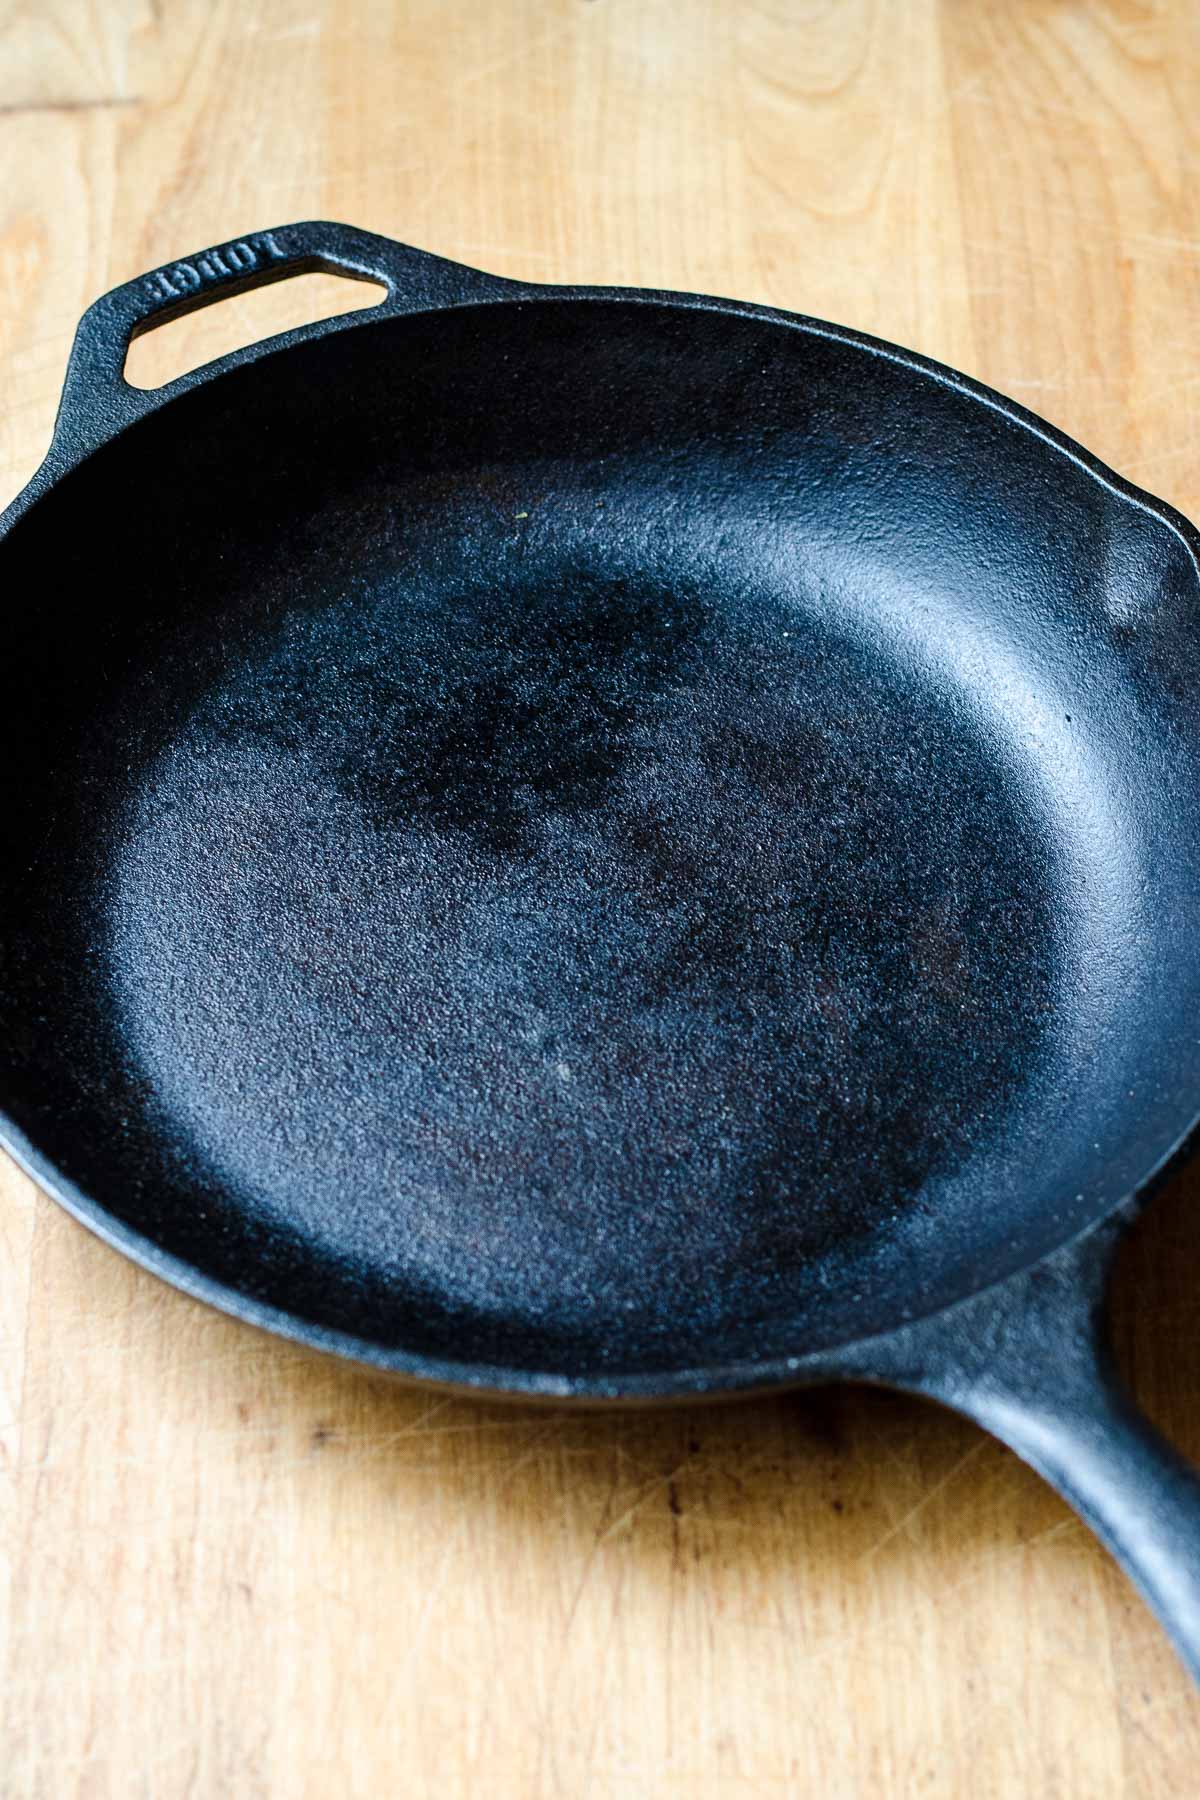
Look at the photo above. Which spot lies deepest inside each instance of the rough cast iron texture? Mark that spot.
(608, 845)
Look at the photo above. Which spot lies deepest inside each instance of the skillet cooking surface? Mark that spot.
(590, 837)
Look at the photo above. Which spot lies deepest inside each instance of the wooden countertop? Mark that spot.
(229, 1568)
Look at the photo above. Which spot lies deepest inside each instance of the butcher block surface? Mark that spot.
(230, 1568)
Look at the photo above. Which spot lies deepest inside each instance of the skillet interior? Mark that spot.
(597, 837)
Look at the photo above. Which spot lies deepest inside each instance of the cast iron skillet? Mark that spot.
(609, 845)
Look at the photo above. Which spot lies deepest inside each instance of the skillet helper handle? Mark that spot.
(1029, 1360)
(97, 400)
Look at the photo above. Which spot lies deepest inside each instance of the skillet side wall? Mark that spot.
(485, 571)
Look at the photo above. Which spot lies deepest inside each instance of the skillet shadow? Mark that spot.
(853, 1487)
(1154, 1310)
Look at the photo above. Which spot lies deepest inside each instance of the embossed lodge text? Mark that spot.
(238, 258)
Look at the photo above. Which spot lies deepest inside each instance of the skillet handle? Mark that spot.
(97, 401)
(1029, 1360)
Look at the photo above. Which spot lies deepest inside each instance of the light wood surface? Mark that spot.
(230, 1569)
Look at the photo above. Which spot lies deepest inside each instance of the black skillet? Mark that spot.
(609, 845)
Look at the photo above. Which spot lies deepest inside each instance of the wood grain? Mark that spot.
(231, 1569)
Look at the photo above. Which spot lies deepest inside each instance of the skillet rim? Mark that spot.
(742, 1376)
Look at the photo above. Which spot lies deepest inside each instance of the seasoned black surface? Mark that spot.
(588, 836)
